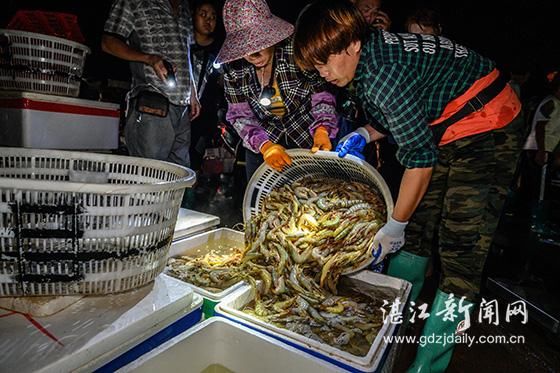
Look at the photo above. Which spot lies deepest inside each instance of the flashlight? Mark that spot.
(266, 96)
(171, 79)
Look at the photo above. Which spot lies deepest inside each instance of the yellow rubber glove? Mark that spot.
(275, 155)
(321, 140)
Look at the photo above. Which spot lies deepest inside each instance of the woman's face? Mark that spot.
(205, 19)
(261, 58)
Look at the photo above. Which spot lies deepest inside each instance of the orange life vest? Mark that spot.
(497, 113)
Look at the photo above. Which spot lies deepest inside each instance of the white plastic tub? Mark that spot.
(218, 342)
(191, 222)
(377, 357)
(201, 244)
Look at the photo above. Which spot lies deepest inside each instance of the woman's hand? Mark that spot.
(321, 140)
(275, 156)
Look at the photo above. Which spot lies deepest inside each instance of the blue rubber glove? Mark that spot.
(353, 143)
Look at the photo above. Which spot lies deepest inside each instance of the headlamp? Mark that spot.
(265, 99)
(267, 91)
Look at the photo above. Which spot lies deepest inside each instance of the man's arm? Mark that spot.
(540, 156)
(542, 117)
(118, 48)
(414, 184)
(196, 108)
(374, 135)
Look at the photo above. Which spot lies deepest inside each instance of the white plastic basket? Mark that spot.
(55, 64)
(46, 52)
(82, 223)
(320, 164)
(31, 81)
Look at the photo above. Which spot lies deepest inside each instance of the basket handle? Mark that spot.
(90, 177)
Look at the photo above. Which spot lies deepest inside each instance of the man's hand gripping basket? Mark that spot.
(321, 164)
(82, 223)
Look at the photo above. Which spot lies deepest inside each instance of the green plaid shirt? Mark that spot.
(404, 82)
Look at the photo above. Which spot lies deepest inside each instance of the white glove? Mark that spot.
(388, 239)
(360, 131)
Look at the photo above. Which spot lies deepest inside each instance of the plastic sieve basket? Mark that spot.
(45, 52)
(41, 63)
(320, 164)
(82, 223)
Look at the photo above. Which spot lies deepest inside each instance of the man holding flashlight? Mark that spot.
(154, 36)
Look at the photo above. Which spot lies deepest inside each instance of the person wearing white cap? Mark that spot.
(272, 103)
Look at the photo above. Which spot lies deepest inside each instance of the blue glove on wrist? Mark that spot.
(353, 143)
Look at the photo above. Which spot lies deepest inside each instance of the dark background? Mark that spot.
(519, 35)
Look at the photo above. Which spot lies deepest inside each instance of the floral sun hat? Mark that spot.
(250, 27)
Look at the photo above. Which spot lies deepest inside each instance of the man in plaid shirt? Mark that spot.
(145, 33)
(455, 121)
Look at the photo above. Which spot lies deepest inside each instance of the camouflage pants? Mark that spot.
(460, 211)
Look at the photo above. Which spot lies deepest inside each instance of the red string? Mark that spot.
(34, 322)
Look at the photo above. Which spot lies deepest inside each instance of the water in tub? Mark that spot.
(216, 368)
(212, 266)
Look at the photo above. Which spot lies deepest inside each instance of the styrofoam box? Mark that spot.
(165, 330)
(375, 359)
(36, 120)
(218, 341)
(202, 243)
(191, 222)
(96, 331)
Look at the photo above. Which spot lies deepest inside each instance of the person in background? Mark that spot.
(424, 21)
(542, 145)
(272, 104)
(457, 126)
(154, 35)
(373, 15)
(207, 79)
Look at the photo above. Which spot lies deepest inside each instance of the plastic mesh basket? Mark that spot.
(320, 164)
(17, 80)
(82, 223)
(41, 63)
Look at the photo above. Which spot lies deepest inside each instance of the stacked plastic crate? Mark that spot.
(42, 62)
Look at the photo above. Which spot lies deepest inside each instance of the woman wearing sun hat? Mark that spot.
(272, 104)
